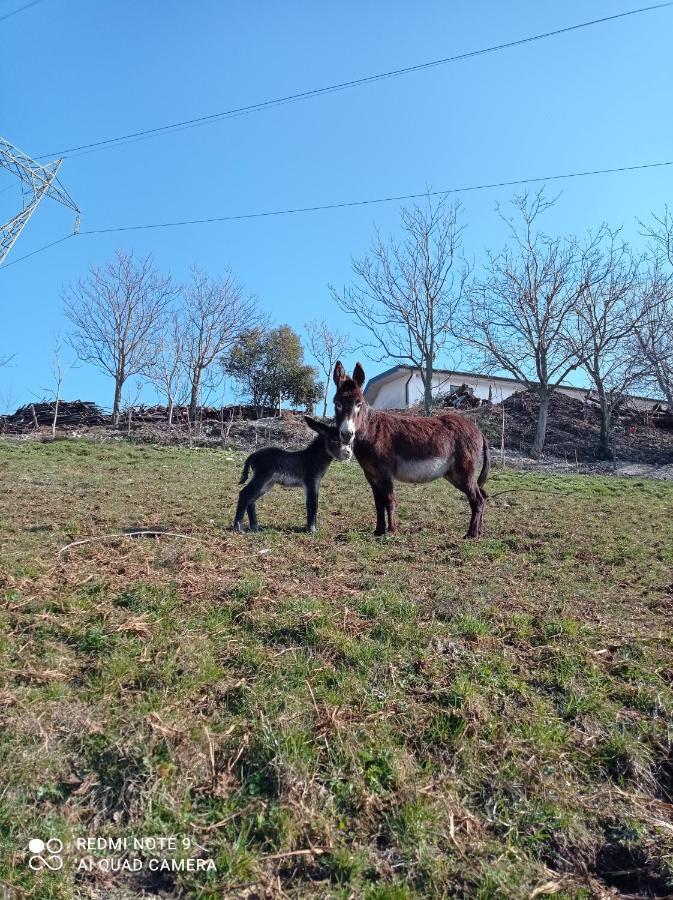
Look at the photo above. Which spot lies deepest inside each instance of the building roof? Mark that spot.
(374, 384)
(377, 381)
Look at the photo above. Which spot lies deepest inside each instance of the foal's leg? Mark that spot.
(252, 516)
(250, 493)
(312, 493)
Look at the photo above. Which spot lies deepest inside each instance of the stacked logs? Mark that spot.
(74, 414)
(71, 414)
(462, 398)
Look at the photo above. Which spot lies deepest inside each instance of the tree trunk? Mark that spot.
(541, 428)
(119, 384)
(427, 390)
(324, 406)
(194, 398)
(604, 448)
(170, 412)
(53, 424)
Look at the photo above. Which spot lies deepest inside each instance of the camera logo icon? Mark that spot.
(51, 861)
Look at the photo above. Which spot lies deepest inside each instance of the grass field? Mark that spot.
(334, 715)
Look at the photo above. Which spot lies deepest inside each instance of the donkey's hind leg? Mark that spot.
(466, 482)
(484, 498)
(250, 493)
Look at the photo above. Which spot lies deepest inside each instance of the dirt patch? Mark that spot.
(573, 431)
(627, 868)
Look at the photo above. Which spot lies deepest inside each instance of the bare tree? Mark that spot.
(605, 332)
(6, 396)
(216, 312)
(520, 314)
(59, 370)
(167, 368)
(116, 311)
(660, 234)
(326, 345)
(654, 310)
(130, 401)
(406, 292)
(654, 331)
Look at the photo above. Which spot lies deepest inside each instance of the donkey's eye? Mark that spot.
(357, 407)
(337, 406)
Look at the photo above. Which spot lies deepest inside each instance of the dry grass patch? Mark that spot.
(333, 715)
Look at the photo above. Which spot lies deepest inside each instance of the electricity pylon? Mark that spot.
(36, 182)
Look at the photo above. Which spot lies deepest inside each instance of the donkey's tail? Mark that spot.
(246, 470)
(483, 475)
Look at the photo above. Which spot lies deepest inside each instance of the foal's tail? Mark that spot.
(246, 469)
(483, 475)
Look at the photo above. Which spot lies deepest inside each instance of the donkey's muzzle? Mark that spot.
(346, 432)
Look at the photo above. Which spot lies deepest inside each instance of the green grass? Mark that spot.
(334, 715)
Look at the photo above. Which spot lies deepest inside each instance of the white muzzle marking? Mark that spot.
(346, 452)
(347, 431)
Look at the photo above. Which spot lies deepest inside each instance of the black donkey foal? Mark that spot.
(301, 468)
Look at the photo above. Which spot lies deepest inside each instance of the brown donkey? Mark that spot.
(408, 448)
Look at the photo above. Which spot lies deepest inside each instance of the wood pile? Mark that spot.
(82, 413)
(462, 398)
(625, 410)
(659, 416)
(71, 414)
(158, 413)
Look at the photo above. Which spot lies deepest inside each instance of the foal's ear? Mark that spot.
(315, 425)
(358, 375)
(339, 373)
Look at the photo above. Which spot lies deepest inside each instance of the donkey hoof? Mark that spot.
(237, 527)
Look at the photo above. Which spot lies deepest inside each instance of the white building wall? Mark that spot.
(393, 394)
(443, 384)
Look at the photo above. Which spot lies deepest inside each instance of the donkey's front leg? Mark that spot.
(390, 504)
(252, 516)
(241, 508)
(380, 507)
(312, 493)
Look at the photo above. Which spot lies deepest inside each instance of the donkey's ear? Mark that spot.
(358, 375)
(315, 425)
(339, 373)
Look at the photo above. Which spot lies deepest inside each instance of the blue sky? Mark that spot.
(595, 98)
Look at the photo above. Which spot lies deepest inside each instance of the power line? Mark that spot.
(131, 137)
(34, 252)
(367, 202)
(15, 12)
(346, 204)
